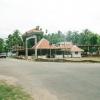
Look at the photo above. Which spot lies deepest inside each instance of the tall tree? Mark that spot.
(14, 39)
(69, 36)
(94, 39)
(55, 37)
(1, 45)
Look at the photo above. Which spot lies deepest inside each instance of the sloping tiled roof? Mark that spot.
(70, 47)
(44, 44)
(65, 46)
(76, 49)
(33, 31)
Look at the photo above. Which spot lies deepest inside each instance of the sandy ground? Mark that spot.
(54, 81)
(8, 79)
(37, 93)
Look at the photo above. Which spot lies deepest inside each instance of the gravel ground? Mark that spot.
(55, 81)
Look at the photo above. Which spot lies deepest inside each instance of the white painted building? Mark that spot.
(73, 50)
(76, 51)
(63, 50)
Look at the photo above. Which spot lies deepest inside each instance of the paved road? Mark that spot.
(55, 81)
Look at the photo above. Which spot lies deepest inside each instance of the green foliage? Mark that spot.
(31, 42)
(72, 37)
(98, 40)
(55, 37)
(9, 92)
(85, 37)
(1, 44)
(14, 39)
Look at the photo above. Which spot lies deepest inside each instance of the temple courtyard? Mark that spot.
(55, 81)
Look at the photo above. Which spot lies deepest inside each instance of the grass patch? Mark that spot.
(10, 92)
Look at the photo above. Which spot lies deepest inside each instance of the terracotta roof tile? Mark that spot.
(44, 44)
(65, 46)
(32, 31)
(75, 48)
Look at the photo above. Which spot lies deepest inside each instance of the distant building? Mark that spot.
(70, 50)
(43, 48)
(61, 50)
(35, 31)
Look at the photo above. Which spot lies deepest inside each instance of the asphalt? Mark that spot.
(55, 81)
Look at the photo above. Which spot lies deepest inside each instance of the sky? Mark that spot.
(52, 15)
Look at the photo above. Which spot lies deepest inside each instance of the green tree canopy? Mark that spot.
(1, 45)
(14, 39)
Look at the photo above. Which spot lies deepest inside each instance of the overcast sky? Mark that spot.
(53, 15)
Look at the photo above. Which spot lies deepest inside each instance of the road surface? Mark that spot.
(55, 81)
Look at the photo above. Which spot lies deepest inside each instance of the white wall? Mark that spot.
(76, 55)
(67, 56)
(42, 57)
(58, 56)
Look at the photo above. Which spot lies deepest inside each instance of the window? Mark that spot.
(76, 52)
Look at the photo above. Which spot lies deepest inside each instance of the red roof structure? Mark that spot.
(76, 49)
(70, 47)
(44, 44)
(34, 31)
(65, 46)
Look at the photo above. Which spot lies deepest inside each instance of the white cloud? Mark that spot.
(50, 14)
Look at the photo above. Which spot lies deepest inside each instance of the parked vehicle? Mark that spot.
(3, 55)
